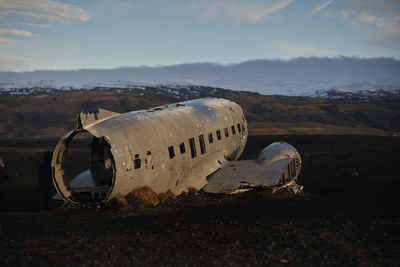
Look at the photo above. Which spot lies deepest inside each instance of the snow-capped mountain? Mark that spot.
(296, 77)
(360, 95)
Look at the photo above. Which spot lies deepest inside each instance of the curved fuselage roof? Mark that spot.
(172, 147)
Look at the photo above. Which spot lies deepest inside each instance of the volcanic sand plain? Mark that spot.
(347, 215)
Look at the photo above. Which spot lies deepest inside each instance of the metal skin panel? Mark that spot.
(245, 173)
(277, 166)
(277, 151)
(145, 149)
(57, 168)
(154, 130)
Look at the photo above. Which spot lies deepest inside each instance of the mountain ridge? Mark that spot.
(296, 77)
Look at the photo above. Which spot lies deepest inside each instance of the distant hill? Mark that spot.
(296, 77)
(46, 113)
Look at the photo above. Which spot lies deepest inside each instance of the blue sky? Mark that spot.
(47, 34)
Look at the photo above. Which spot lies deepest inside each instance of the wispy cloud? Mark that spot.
(375, 17)
(10, 63)
(15, 32)
(115, 8)
(38, 9)
(383, 44)
(379, 7)
(296, 50)
(320, 7)
(373, 23)
(254, 11)
(36, 25)
(6, 42)
(44, 9)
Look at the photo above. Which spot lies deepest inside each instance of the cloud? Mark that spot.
(320, 7)
(383, 44)
(296, 50)
(15, 32)
(377, 18)
(6, 42)
(116, 8)
(36, 25)
(44, 9)
(238, 9)
(380, 7)
(17, 63)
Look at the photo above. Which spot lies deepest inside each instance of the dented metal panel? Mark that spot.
(169, 148)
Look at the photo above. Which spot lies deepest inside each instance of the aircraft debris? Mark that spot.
(187, 146)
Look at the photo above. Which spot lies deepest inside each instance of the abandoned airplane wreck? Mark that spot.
(192, 144)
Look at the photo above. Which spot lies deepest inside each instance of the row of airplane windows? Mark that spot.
(192, 142)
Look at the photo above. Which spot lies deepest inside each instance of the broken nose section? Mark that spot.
(286, 159)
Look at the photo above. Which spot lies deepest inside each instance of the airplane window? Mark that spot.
(182, 148)
(238, 126)
(226, 132)
(137, 163)
(202, 144)
(219, 135)
(210, 138)
(192, 147)
(171, 152)
(233, 129)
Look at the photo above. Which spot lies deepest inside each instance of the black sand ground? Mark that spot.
(348, 215)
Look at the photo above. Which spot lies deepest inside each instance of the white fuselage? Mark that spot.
(173, 147)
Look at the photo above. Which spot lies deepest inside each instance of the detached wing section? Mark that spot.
(276, 167)
(245, 174)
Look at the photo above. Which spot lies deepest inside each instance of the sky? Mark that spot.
(75, 34)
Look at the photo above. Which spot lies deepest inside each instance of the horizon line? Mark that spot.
(211, 63)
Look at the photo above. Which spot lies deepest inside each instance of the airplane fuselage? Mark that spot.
(172, 147)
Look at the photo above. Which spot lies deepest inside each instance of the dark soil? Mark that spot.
(348, 215)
